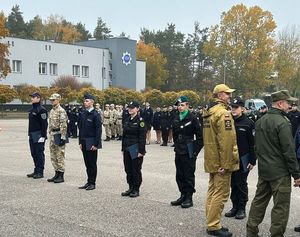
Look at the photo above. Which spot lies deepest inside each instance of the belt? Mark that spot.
(107, 117)
(55, 130)
(119, 118)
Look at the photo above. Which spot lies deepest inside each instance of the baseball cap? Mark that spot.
(133, 104)
(55, 96)
(238, 102)
(222, 88)
(35, 94)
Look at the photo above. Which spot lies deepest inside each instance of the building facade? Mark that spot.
(39, 63)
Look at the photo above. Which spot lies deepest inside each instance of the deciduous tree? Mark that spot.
(4, 67)
(154, 97)
(7, 94)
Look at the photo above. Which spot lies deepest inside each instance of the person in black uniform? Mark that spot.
(294, 117)
(165, 125)
(147, 115)
(69, 114)
(90, 132)
(74, 121)
(156, 125)
(133, 148)
(37, 132)
(186, 128)
(245, 141)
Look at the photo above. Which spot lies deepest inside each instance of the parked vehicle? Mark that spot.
(254, 104)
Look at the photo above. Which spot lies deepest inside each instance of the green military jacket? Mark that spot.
(274, 146)
(220, 146)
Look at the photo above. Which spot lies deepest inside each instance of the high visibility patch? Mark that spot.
(228, 125)
(44, 116)
(142, 124)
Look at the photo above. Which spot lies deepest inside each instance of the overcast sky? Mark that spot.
(130, 16)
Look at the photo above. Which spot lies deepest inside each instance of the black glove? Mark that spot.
(62, 142)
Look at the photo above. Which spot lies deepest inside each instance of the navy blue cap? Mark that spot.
(237, 102)
(35, 94)
(181, 99)
(133, 104)
(88, 97)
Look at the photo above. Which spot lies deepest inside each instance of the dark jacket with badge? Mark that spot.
(38, 119)
(156, 120)
(165, 120)
(244, 128)
(90, 127)
(134, 132)
(147, 115)
(220, 145)
(274, 146)
(184, 132)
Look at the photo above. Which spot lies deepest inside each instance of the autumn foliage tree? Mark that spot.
(154, 97)
(7, 94)
(4, 67)
(241, 47)
(156, 74)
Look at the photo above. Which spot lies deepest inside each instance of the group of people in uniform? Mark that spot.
(223, 129)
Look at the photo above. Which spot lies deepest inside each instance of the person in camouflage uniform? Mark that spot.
(58, 132)
(113, 123)
(107, 118)
(119, 121)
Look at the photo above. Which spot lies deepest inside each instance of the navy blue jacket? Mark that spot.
(90, 126)
(38, 119)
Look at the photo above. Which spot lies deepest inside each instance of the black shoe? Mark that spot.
(120, 138)
(221, 233)
(84, 186)
(188, 202)
(59, 178)
(54, 177)
(231, 213)
(91, 187)
(30, 175)
(173, 145)
(38, 176)
(107, 139)
(179, 200)
(297, 228)
(134, 193)
(224, 228)
(241, 214)
(127, 192)
(164, 144)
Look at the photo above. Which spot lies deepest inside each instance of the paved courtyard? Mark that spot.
(31, 207)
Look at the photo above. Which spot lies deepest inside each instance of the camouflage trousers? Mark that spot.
(57, 154)
(119, 128)
(113, 128)
(280, 190)
(107, 130)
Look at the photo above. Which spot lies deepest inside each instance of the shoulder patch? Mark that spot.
(228, 125)
(44, 116)
(142, 124)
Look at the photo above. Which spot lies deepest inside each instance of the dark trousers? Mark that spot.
(73, 129)
(133, 171)
(90, 161)
(185, 173)
(239, 189)
(37, 153)
(165, 135)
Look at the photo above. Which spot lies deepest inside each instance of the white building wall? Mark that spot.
(31, 52)
(140, 75)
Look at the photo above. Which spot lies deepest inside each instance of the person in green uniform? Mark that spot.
(275, 152)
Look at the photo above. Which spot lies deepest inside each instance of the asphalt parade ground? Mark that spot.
(31, 207)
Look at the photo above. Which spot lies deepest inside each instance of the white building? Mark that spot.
(39, 63)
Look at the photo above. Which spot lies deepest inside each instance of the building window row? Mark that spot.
(80, 51)
(48, 47)
(43, 68)
(17, 66)
(84, 71)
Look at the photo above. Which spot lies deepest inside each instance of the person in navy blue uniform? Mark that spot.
(294, 117)
(90, 132)
(186, 133)
(147, 115)
(134, 134)
(244, 127)
(37, 132)
(156, 125)
(165, 125)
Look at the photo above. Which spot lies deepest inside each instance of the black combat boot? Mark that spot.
(59, 178)
(179, 200)
(297, 228)
(38, 176)
(30, 175)
(54, 177)
(241, 214)
(107, 139)
(188, 202)
(127, 192)
(134, 193)
(120, 138)
(231, 213)
(221, 233)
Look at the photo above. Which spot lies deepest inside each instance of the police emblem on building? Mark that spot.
(126, 58)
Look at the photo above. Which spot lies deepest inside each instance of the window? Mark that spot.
(13, 43)
(43, 68)
(53, 68)
(46, 47)
(76, 70)
(17, 66)
(85, 71)
(110, 55)
(110, 66)
(82, 51)
(78, 51)
(49, 47)
(103, 72)
(7, 62)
